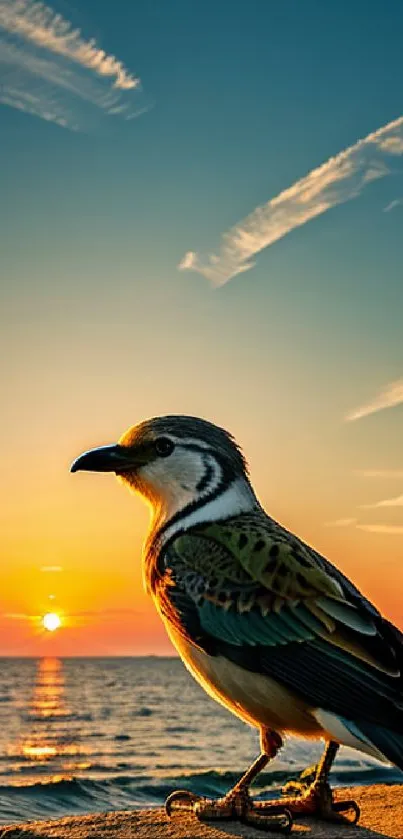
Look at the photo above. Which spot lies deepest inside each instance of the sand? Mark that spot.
(381, 816)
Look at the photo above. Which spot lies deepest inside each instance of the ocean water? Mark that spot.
(85, 735)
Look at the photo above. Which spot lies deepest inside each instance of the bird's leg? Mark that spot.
(315, 798)
(237, 803)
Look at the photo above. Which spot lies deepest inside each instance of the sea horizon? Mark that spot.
(95, 656)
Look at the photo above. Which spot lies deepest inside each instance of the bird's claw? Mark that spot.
(237, 805)
(329, 809)
(341, 807)
(181, 799)
(317, 801)
(280, 821)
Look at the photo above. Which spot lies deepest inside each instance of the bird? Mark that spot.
(269, 627)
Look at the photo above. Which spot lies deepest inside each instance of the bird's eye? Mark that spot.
(164, 446)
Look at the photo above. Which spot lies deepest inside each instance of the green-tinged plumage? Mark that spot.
(245, 564)
(333, 650)
(283, 566)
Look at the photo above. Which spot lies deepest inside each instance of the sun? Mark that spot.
(51, 621)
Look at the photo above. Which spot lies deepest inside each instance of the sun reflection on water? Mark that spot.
(50, 736)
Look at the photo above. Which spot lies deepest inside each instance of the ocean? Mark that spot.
(86, 735)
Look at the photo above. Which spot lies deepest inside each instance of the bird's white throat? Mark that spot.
(235, 499)
(190, 487)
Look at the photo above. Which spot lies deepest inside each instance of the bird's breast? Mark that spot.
(255, 698)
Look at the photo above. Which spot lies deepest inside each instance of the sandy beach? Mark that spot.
(381, 818)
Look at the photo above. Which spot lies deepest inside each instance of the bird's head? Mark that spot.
(174, 462)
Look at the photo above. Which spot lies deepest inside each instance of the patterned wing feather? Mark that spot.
(253, 583)
(284, 566)
(248, 590)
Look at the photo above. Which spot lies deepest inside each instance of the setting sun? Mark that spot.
(51, 621)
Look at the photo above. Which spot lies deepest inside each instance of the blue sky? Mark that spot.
(237, 102)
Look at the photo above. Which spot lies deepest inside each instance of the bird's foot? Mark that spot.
(298, 785)
(236, 805)
(314, 800)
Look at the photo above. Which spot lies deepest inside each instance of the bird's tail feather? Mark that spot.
(389, 742)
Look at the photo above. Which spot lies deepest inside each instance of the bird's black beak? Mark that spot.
(106, 459)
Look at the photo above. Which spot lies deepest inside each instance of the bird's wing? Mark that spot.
(248, 589)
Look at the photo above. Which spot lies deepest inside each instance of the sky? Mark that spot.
(202, 213)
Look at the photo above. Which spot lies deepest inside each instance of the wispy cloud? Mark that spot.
(392, 205)
(99, 613)
(49, 69)
(387, 529)
(387, 502)
(393, 145)
(393, 529)
(338, 180)
(348, 522)
(389, 397)
(379, 473)
(19, 616)
(51, 569)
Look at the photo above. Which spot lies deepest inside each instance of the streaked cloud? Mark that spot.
(388, 502)
(99, 613)
(51, 569)
(348, 522)
(392, 145)
(387, 529)
(340, 179)
(394, 529)
(389, 397)
(392, 205)
(380, 473)
(19, 616)
(50, 70)
(187, 262)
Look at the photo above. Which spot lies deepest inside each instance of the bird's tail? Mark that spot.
(388, 742)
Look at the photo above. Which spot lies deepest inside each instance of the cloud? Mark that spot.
(51, 569)
(388, 502)
(18, 616)
(341, 523)
(392, 205)
(392, 145)
(389, 397)
(104, 613)
(391, 529)
(396, 501)
(338, 180)
(380, 473)
(48, 69)
(188, 262)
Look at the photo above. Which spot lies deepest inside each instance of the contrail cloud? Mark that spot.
(338, 180)
(50, 70)
(390, 397)
(387, 502)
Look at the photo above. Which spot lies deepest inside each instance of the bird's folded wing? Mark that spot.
(265, 603)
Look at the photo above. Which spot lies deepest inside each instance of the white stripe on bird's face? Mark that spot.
(191, 480)
(171, 483)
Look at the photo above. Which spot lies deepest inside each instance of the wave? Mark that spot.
(57, 716)
(65, 796)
